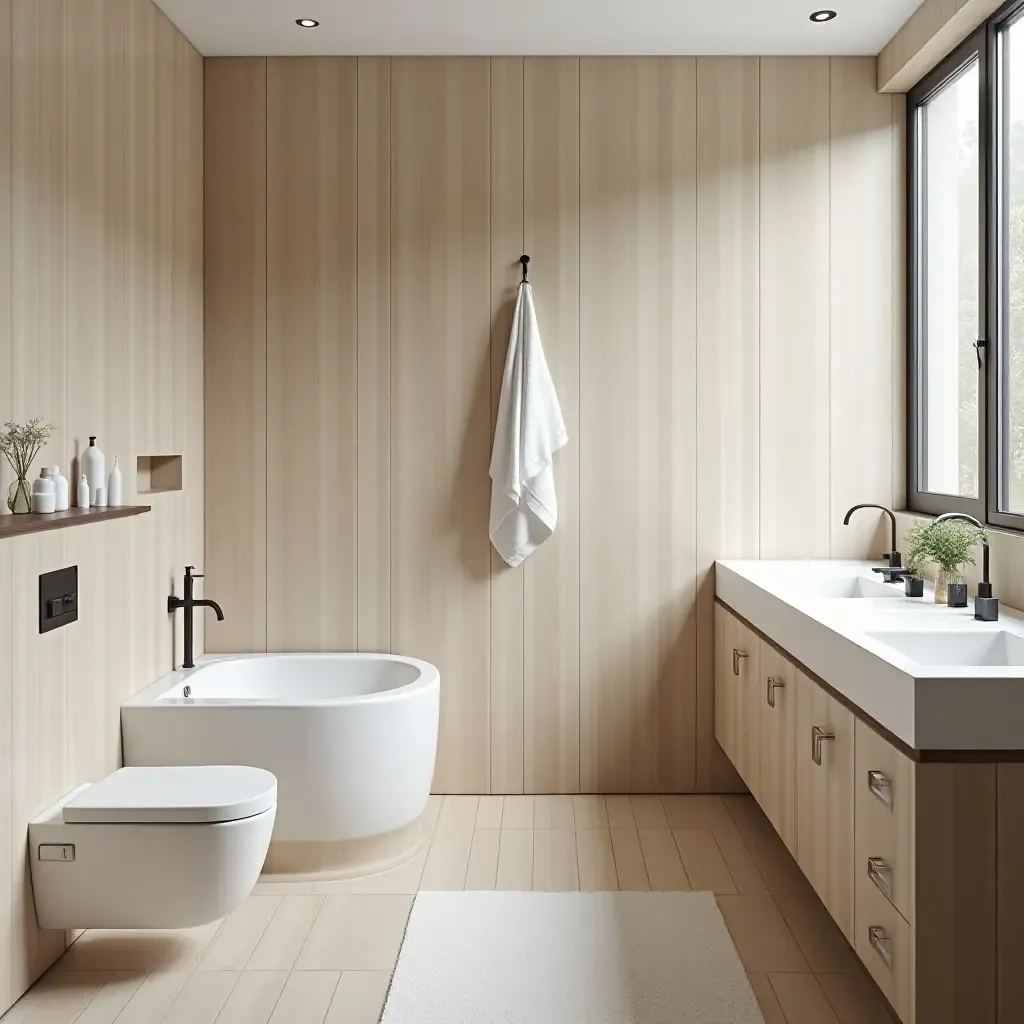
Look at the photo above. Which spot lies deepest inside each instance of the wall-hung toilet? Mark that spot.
(170, 847)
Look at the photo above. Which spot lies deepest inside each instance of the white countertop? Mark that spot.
(928, 706)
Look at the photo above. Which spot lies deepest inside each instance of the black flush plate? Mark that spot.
(58, 598)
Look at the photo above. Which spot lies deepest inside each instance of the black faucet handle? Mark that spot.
(191, 574)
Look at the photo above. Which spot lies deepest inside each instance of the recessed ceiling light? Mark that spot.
(820, 17)
(306, 23)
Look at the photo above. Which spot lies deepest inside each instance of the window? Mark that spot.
(966, 279)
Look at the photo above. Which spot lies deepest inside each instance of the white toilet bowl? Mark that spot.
(168, 847)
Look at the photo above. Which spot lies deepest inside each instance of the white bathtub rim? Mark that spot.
(152, 696)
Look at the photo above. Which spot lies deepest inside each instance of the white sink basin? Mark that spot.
(848, 586)
(995, 648)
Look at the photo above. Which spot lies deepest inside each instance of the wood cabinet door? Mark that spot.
(737, 714)
(777, 777)
(825, 760)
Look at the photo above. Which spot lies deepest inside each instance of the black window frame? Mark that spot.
(983, 45)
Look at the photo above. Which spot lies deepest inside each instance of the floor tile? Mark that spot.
(62, 995)
(648, 812)
(457, 812)
(359, 997)
(802, 999)
(253, 998)
(153, 998)
(432, 813)
(448, 857)
(139, 950)
(285, 936)
(629, 859)
(761, 935)
(306, 997)
(356, 933)
(596, 860)
(553, 812)
(202, 998)
(403, 880)
(269, 888)
(240, 933)
(110, 1000)
(774, 861)
(482, 872)
(703, 861)
(488, 814)
(695, 812)
(515, 859)
(767, 999)
(517, 812)
(620, 812)
(855, 998)
(589, 812)
(818, 936)
(739, 860)
(555, 868)
(661, 858)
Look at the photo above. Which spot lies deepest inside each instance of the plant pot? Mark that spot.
(913, 587)
(19, 497)
(956, 595)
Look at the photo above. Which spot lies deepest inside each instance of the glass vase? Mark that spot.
(19, 497)
(942, 581)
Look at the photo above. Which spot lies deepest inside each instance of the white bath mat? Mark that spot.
(569, 958)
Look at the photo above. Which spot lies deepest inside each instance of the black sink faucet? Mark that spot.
(893, 557)
(188, 603)
(986, 607)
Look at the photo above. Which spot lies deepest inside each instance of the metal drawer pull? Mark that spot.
(818, 736)
(736, 655)
(881, 874)
(773, 685)
(881, 944)
(881, 787)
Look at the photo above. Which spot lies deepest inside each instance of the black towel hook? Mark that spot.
(525, 260)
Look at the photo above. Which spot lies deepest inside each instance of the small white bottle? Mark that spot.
(43, 496)
(115, 485)
(83, 492)
(61, 490)
(94, 468)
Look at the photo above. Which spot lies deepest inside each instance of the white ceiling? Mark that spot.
(237, 27)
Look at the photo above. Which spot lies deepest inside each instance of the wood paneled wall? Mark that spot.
(716, 246)
(101, 332)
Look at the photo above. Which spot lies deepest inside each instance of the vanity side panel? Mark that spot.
(1010, 892)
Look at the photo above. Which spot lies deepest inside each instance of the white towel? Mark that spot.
(530, 429)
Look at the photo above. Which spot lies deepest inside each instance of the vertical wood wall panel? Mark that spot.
(311, 354)
(506, 625)
(373, 484)
(551, 577)
(682, 227)
(863, 283)
(38, 224)
(637, 424)
(728, 303)
(440, 388)
(794, 407)
(236, 350)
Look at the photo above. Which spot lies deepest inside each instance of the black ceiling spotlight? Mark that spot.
(820, 17)
(306, 23)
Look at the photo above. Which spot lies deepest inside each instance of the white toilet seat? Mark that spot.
(175, 795)
(167, 847)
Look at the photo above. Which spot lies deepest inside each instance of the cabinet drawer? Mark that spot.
(885, 818)
(885, 944)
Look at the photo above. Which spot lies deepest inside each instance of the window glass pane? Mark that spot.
(1012, 315)
(950, 287)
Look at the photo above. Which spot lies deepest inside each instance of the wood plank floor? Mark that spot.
(323, 953)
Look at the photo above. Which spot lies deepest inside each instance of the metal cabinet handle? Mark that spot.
(881, 787)
(881, 873)
(881, 944)
(818, 736)
(773, 685)
(736, 655)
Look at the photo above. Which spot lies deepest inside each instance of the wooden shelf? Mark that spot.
(35, 522)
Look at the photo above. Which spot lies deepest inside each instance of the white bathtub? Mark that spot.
(351, 737)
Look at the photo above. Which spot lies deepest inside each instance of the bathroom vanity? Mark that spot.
(883, 737)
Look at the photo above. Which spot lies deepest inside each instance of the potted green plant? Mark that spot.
(21, 444)
(950, 545)
(916, 559)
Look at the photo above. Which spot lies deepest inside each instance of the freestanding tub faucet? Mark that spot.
(189, 604)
